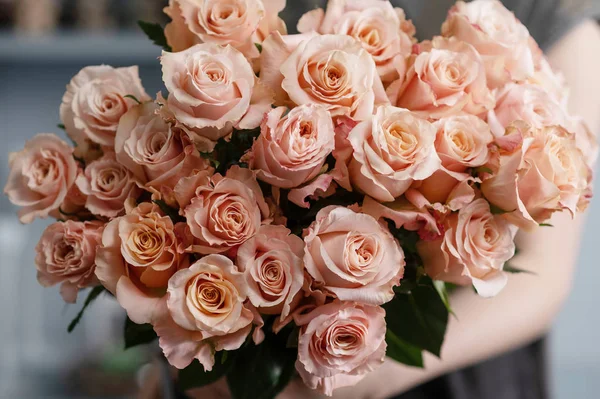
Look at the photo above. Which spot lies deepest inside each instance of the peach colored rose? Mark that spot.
(524, 102)
(224, 22)
(177, 33)
(473, 249)
(276, 48)
(381, 29)
(136, 259)
(107, 185)
(339, 344)
(40, 176)
(446, 77)
(291, 149)
(204, 312)
(222, 212)
(271, 21)
(66, 254)
(390, 151)
(213, 89)
(157, 153)
(335, 71)
(73, 206)
(271, 262)
(544, 173)
(553, 82)
(462, 142)
(352, 256)
(95, 101)
(495, 32)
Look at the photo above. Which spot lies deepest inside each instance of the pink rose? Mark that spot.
(291, 149)
(495, 32)
(271, 262)
(66, 254)
(136, 259)
(391, 150)
(156, 152)
(551, 81)
(222, 212)
(381, 29)
(339, 344)
(40, 176)
(335, 71)
(95, 101)
(524, 102)
(212, 89)
(545, 173)
(107, 185)
(473, 249)
(446, 77)
(204, 312)
(352, 256)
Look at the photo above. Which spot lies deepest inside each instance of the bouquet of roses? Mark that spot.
(299, 203)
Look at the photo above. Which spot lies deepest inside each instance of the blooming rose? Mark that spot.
(391, 150)
(271, 262)
(136, 259)
(40, 176)
(335, 71)
(495, 32)
(222, 212)
(339, 344)
(66, 254)
(524, 102)
(352, 256)
(156, 152)
(179, 36)
(212, 88)
(445, 78)
(291, 149)
(381, 29)
(544, 173)
(96, 99)
(551, 81)
(107, 185)
(204, 312)
(472, 250)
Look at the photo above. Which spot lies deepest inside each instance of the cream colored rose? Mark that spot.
(462, 142)
(524, 102)
(136, 259)
(107, 185)
(212, 89)
(352, 256)
(445, 78)
(96, 99)
(336, 72)
(544, 173)
(156, 152)
(495, 32)
(40, 176)
(339, 344)
(381, 29)
(292, 148)
(66, 255)
(204, 312)
(271, 262)
(473, 249)
(222, 212)
(390, 151)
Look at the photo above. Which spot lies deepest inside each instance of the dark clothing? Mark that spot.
(520, 374)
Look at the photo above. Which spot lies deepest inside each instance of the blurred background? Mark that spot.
(43, 43)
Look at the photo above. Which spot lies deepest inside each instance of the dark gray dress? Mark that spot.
(520, 374)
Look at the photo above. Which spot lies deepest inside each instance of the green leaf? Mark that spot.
(61, 126)
(259, 47)
(94, 293)
(228, 153)
(401, 351)
(194, 376)
(170, 211)
(515, 270)
(440, 287)
(138, 334)
(497, 210)
(546, 225)
(156, 33)
(134, 98)
(419, 317)
(261, 371)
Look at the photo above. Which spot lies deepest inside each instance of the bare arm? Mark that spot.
(526, 308)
